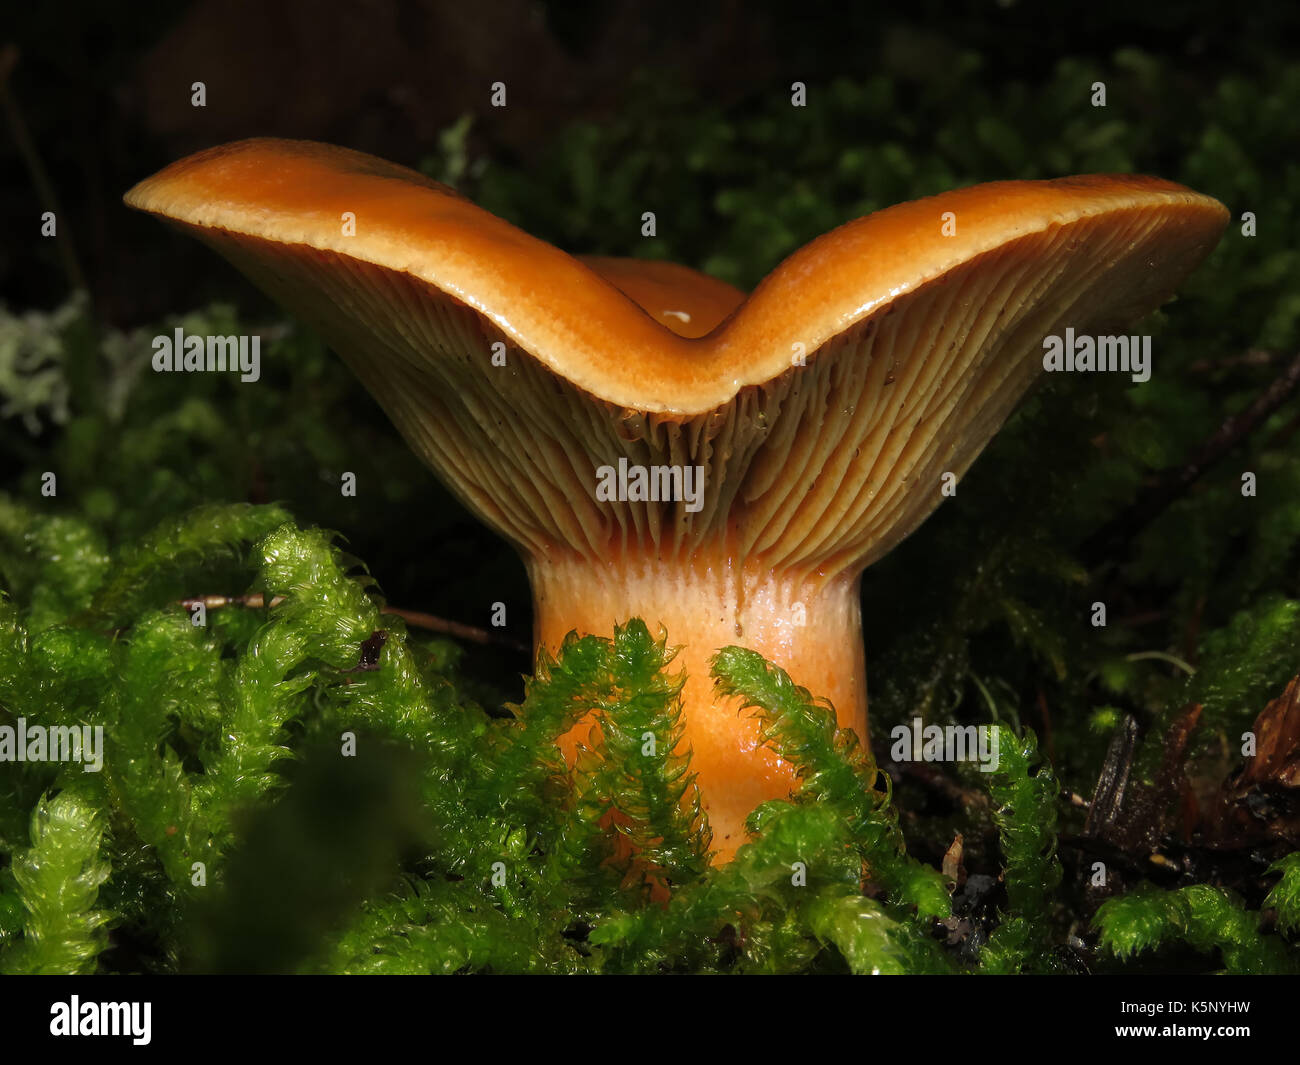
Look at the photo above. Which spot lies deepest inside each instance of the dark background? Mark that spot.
(104, 89)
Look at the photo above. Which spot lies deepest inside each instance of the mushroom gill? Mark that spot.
(798, 434)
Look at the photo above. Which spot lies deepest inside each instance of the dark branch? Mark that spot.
(411, 617)
(1174, 482)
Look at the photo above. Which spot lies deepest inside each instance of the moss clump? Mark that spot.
(399, 827)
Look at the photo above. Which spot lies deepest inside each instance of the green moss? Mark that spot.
(1206, 918)
(1025, 795)
(58, 879)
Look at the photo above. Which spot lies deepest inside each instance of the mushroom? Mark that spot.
(759, 452)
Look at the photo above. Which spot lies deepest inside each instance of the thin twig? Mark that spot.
(213, 602)
(1251, 357)
(455, 628)
(411, 617)
(935, 780)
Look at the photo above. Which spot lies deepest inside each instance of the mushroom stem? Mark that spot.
(810, 626)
